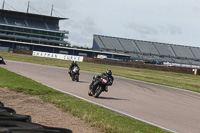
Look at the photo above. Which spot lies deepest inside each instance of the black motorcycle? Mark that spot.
(75, 74)
(2, 61)
(100, 87)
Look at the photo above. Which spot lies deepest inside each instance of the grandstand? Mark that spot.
(27, 31)
(170, 54)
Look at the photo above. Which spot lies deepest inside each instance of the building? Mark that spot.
(26, 31)
(171, 54)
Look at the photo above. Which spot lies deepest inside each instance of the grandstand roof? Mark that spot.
(29, 15)
(147, 50)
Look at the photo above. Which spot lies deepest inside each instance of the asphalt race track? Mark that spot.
(171, 108)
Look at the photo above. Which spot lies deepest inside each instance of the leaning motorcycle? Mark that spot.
(2, 61)
(75, 74)
(101, 86)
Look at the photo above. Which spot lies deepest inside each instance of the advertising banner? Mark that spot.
(58, 56)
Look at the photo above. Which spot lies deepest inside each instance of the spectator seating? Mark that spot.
(146, 50)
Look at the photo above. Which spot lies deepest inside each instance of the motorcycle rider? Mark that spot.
(95, 80)
(73, 64)
(2, 61)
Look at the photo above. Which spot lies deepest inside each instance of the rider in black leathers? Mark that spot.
(2, 61)
(73, 64)
(95, 80)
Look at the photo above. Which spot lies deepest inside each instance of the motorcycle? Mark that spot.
(100, 87)
(75, 74)
(2, 61)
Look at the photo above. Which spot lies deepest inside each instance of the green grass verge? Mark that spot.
(96, 116)
(178, 80)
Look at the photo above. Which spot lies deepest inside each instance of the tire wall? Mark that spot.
(11, 122)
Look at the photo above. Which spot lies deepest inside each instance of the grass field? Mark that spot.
(106, 120)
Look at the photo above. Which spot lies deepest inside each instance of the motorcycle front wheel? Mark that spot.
(98, 91)
(73, 77)
(77, 77)
(90, 90)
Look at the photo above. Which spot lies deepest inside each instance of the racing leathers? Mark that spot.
(71, 67)
(2, 60)
(96, 80)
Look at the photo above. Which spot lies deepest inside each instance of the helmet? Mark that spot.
(109, 72)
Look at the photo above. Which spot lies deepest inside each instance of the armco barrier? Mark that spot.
(140, 65)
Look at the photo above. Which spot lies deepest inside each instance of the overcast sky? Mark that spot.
(167, 21)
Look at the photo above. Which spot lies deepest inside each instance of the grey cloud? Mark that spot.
(142, 28)
(169, 29)
(196, 10)
(87, 24)
(154, 30)
(175, 30)
(81, 31)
